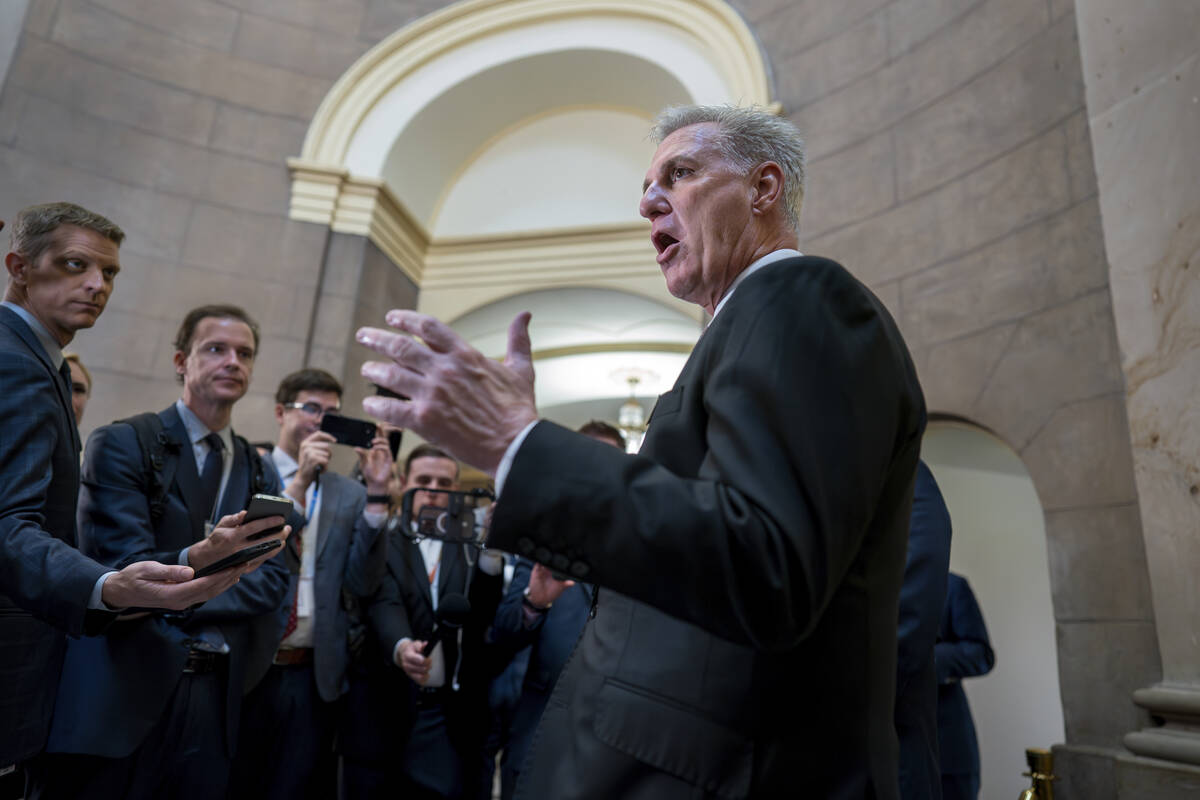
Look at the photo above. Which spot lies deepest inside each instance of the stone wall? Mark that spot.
(175, 118)
(951, 169)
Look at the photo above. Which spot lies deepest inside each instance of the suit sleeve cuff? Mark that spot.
(509, 455)
(95, 600)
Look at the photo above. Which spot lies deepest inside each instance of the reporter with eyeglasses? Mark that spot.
(289, 721)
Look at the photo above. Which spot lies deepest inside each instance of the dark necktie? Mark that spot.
(64, 372)
(210, 476)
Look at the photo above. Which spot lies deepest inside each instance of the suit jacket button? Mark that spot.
(580, 569)
(560, 563)
(524, 546)
(541, 555)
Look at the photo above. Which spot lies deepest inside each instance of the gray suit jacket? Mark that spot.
(46, 581)
(350, 555)
(750, 557)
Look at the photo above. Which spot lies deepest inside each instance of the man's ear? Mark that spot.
(179, 359)
(767, 186)
(18, 267)
(279, 413)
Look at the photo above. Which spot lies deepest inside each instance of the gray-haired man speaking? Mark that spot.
(751, 555)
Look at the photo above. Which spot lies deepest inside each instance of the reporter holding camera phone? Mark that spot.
(152, 708)
(418, 713)
(285, 746)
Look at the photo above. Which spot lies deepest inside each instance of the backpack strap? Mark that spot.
(258, 472)
(158, 470)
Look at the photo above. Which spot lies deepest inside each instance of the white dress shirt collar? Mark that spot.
(755, 266)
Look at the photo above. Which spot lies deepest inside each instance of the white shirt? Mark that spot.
(302, 636)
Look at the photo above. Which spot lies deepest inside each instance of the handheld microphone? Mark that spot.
(452, 613)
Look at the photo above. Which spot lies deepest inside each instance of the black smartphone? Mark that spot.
(267, 505)
(455, 522)
(348, 430)
(240, 557)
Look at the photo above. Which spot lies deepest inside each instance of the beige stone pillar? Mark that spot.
(1141, 64)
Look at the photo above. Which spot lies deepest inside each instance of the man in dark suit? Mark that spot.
(922, 598)
(546, 613)
(285, 747)
(439, 717)
(151, 709)
(751, 555)
(62, 265)
(963, 651)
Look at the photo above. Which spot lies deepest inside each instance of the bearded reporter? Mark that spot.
(750, 557)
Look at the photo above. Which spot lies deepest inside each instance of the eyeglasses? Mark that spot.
(313, 409)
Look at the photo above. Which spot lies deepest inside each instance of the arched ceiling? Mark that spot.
(429, 151)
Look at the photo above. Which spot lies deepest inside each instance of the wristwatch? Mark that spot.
(530, 605)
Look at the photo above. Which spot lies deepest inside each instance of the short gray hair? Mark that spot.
(31, 233)
(747, 137)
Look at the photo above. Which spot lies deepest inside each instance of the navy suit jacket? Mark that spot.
(351, 555)
(750, 559)
(922, 598)
(114, 688)
(552, 638)
(962, 651)
(46, 581)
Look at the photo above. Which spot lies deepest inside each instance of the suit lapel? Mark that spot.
(331, 496)
(451, 578)
(187, 479)
(23, 332)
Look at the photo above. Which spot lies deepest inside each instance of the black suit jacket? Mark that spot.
(754, 552)
(382, 697)
(922, 598)
(115, 687)
(46, 581)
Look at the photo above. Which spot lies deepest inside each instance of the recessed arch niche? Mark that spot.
(999, 545)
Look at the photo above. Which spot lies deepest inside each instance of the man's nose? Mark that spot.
(94, 279)
(653, 203)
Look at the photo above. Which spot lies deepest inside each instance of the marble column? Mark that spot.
(1142, 76)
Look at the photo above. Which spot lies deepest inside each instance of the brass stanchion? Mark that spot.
(1041, 770)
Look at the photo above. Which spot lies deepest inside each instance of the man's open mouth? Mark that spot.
(663, 240)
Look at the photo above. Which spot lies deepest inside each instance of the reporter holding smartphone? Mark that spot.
(285, 746)
(152, 708)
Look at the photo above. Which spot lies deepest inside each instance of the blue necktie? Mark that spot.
(210, 476)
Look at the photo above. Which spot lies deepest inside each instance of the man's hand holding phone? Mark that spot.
(375, 463)
(315, 452)
(232, 534)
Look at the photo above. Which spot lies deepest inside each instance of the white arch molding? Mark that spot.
(377, 158)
